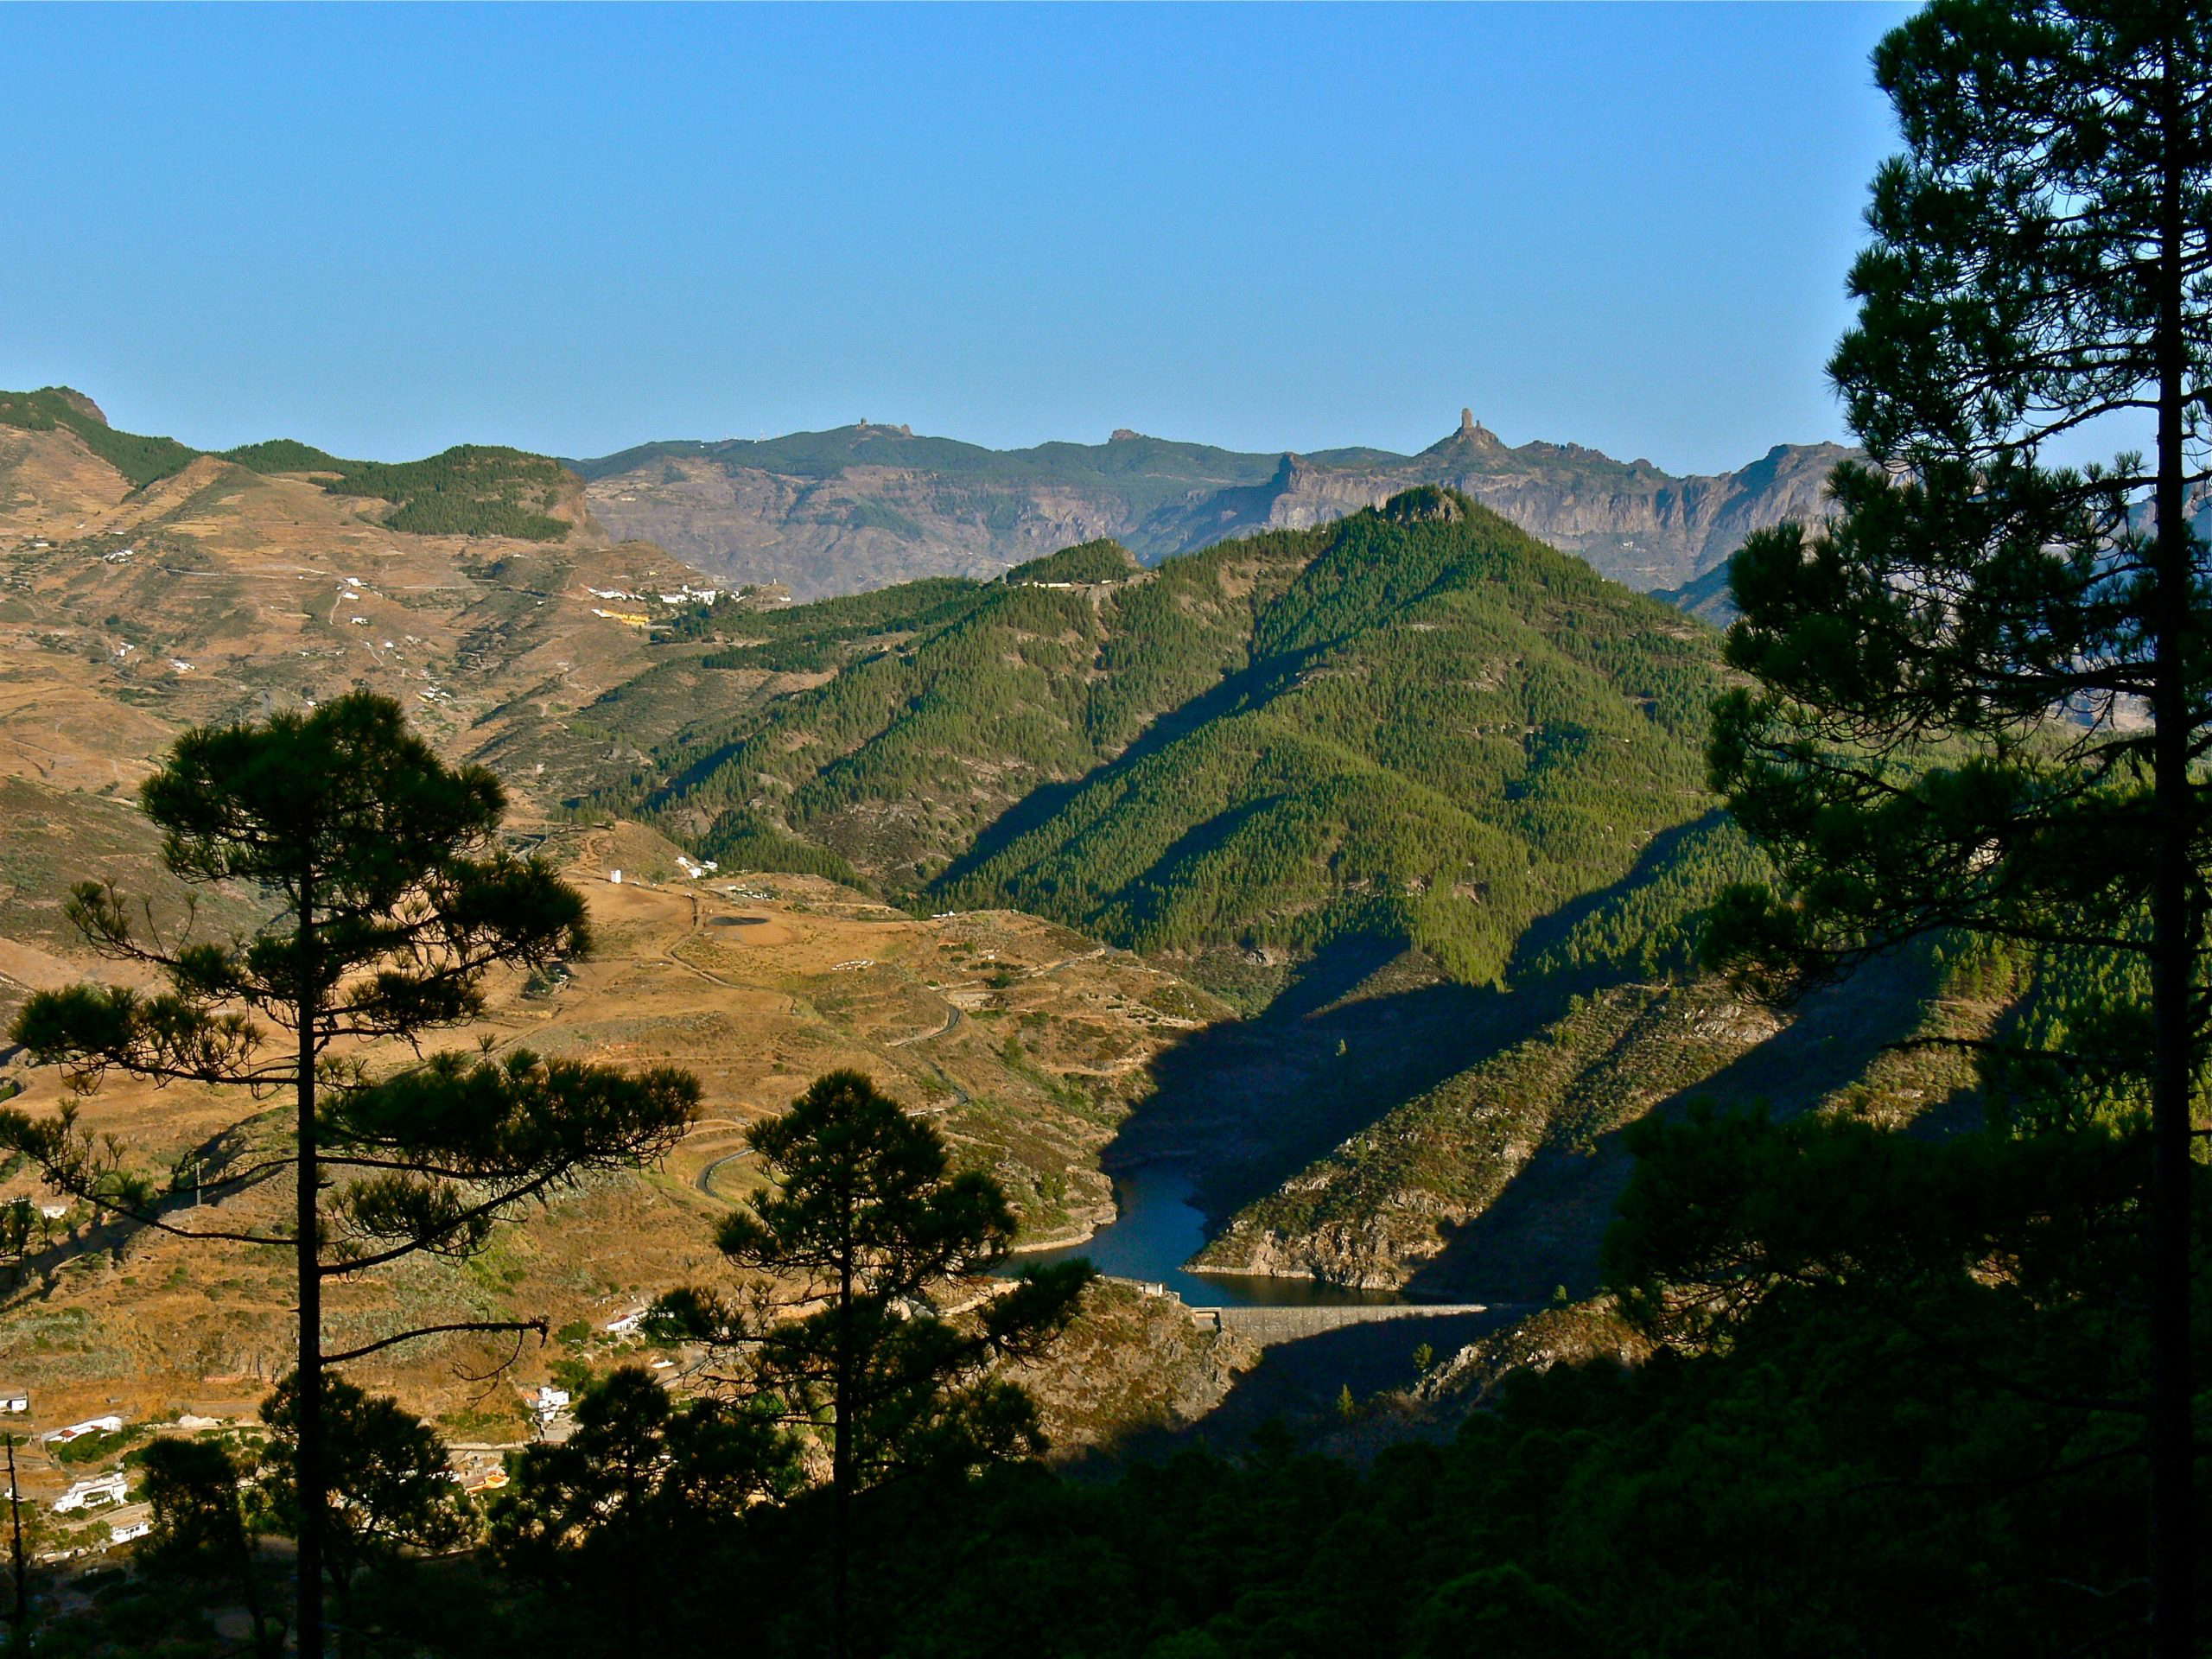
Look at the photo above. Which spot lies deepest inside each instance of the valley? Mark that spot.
(1327, 888)
(639, 1012)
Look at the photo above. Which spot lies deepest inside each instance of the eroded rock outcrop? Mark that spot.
(866, 505)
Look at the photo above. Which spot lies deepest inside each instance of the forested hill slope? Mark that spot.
(478, 490)
(1417, 724)
(865, 505)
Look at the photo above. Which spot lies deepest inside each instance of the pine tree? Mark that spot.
(863, 1229)
(1950, 730)
(391, 902)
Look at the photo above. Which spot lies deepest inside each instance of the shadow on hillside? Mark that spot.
(1545, 1228)
(1253, 1101)
(34, 1272)
(1298, 1385)
(1546, 931)
(1250, 1102)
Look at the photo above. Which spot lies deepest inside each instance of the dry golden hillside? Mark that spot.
(1024, 1041)
(221, 592)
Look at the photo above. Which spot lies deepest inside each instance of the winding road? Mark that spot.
(951, 1019)
(705, 1179)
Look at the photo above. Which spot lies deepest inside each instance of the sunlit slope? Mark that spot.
(469, 489)
(1023, 1043)
(1417, 723)
(212, 592)
(1446, 730)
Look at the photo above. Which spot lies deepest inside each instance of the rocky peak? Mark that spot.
(77, 401)
(1471, 436)
(965, 510)
(1425, 504)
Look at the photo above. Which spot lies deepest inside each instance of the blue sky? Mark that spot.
(574, 228)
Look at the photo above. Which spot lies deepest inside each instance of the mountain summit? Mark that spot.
(1414, 723)
(1471, 435)
(863, 506)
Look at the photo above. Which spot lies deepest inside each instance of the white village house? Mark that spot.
(109, 1424)
(99, 1488)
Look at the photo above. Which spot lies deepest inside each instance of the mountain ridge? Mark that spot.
(869, 505)
(1417, 721)
(1347, 778)
(856, 508)
(488, 490)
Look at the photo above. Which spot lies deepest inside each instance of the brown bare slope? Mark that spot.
(1025, 1043)
(220, 592)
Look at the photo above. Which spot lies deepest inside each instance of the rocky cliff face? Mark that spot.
(864, 506)
(1133, 1361)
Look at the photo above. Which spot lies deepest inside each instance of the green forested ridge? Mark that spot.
(140, 460)
(1646, 926)
(469, 490)
(809, 639)
(1446, 730)
(1418, 723)
(284, 455)
(955, 701)
(1088, 561)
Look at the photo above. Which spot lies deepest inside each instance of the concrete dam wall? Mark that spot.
(1264, 1325)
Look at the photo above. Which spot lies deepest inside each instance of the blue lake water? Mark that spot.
(1159, 1229)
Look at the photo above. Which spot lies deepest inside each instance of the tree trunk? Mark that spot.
(840, 1475)
(308, 1469)
(2174, 931)
(267, 1644)
(20, 1620)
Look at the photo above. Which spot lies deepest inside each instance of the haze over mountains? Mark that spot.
(864, 505)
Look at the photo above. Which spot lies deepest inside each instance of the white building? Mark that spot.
(109, 1424)
(100, 1489)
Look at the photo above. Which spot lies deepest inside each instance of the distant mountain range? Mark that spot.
(866, 505)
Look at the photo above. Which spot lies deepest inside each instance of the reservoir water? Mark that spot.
(1159, 1228)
